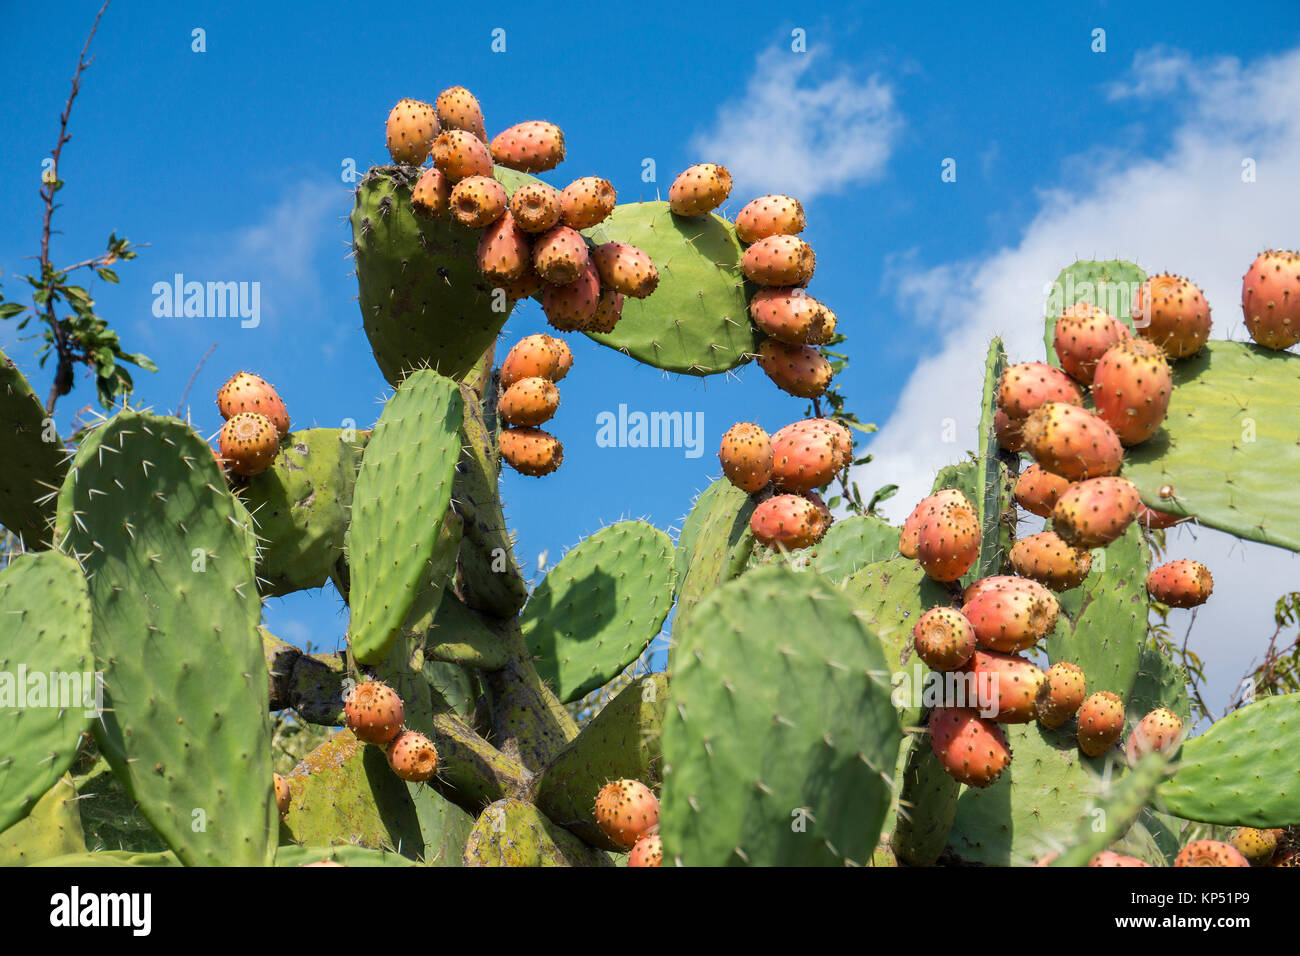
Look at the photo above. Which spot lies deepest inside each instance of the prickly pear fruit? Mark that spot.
(1061, 696)
(531, 147)
(1209, 853)
(460, 154)
(458, 109)
(528, 285)
(571, 306)
(1131, 389)
(648, 851)
(1007, 431)
(1151, 518)
(805, 456)
(282, 794)
(249, 443)
(779, 261)
(530, 401)
(431, 195)
(1071, 442)
(948, 542)
(373, 712)
(699, 189)
(1037, 490)
(931, 504)
(587, 201)
(1000, 582)
(1101, 723)
(1009, 683)
(1270, 299)
(533, 355)
(1257, 846)
(565, 357)
(560, 255)
(531, 451)
(769, 216)
(1171, 312)
(505, 253)
(626, 269)
(826, 330)
(789, 314)
(944, 639)
(246, 392)
(412, 756)
(1082, 335)
(627, 810)
(800, 370)
(478, 201)
(1012, 617)
(1050, 561)
(608, 311)
(1024, 387)
(412, 126)
(536, 207)
(1095, 512)
(788, 521)
(972, 750)
(1159, 730)
(746, 456)
(1182, 583)
(1111, 858)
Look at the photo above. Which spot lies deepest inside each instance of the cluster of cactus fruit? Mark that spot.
(796, 723)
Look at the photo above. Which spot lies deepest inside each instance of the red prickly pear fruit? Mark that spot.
(1037, 490)
(1062, 694)
(948, 542)
(788, 314)
(1093, 513)
(1009, 682)
(431, 195)
(1270, 299)
(528, 285)
(806, 456)
(458, 109)
(249, 443)
(587, 201)
(412, 126)
(460, 155)
(626, 269)
(1111, 858)
(648, 851)
(1101, 723)
(532, 356)
(1257, 846)
(1071, 442)
(944, 639)
(971, 749)
(536, 207)
(769, 216)
(931, 504)
(1151, 518)
(531, 147)
(1182, 583)
(373, 712)
(1082, 335)
(246, 392)
(1012, 617)
(530, 401)
(560, 255)
(531, 451)
(565, 360)
(571, 306)
(627, 810)
(1160, 730)
(1049, 560)
(505, 253)
(789, 522)
(1131, 389)
(824, 331)
(1024, 387)
(746, 456)
(1001, 582)
(282, 794)
(608, 311)
(1171, 312)
(478, 201)
(699, 189)
(779, 261)
(1209, 853)
(800, 370)
(412, 756)
(1007, 431)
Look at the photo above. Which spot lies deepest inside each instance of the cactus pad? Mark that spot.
(33, 467)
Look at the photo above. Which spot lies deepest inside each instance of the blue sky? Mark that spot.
(228, 163)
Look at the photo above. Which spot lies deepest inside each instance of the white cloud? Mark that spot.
(802, 130)
(1187, 211)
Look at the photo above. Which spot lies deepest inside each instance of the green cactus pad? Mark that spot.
(112, 858)
(780, 738)
(110, 819)
(458, 636)
(33, 467)
(342, 855)
(53, 828)
(514, 833)
(851, 544)
(1109, 285)
(1233, 405)
(301, 507)
(423, 301)
(621, 742)
(176, 610)
(401, 496)
(697, 319)
(1160, 683)
(1116, 810)
(1242, 771)
(598, 609)
(714, 546)
(993, 485)
(927, 804)
(47, 684)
